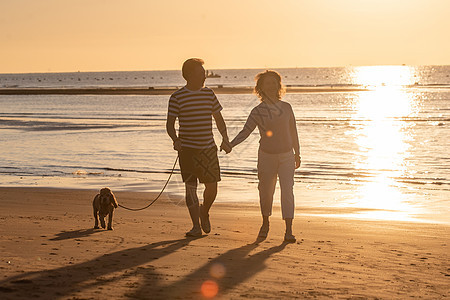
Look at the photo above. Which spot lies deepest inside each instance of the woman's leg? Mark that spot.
(288, 226)
(286, 175)
(288, 236)
(267, 176)
(264, 230)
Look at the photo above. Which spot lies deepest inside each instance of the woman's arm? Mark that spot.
(295, 141)
(249, 126)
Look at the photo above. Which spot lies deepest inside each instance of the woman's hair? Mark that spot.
(190, 65)
(259, 81)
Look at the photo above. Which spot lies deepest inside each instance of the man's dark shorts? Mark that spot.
(201, 164)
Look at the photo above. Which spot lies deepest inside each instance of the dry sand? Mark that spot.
(50, 251)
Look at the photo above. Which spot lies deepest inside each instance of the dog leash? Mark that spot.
(168, 179)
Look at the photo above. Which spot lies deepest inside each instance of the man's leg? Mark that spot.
(192, 203)
(209, 195)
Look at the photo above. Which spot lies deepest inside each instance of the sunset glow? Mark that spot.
(68, 36)
(239, 149)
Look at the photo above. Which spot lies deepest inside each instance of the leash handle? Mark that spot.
(160, 193)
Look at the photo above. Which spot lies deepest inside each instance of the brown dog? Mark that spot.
(104, 204)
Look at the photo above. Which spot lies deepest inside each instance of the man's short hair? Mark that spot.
(190, 65)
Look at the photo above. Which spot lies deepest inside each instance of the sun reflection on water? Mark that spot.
(383, 137)
(384, 75)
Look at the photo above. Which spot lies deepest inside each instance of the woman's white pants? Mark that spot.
(269, 167)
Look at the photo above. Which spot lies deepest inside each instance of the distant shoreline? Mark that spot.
(162, 90)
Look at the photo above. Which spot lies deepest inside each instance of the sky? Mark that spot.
(128, 35)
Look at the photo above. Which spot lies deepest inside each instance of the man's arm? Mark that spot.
(170, 127)
(220, 122)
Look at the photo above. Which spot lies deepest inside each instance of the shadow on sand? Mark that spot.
(226, 271)
(237, 266)
(74, 234)
(67, 280)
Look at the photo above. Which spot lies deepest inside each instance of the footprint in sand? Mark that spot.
(5, 289)
(22, 281)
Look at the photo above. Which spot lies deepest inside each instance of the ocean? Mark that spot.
(375, 154)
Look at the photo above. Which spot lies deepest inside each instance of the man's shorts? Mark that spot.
(201, 164)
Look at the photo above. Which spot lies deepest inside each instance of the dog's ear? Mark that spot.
(105, 191)
(113, 200)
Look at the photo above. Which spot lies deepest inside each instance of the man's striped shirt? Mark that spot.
(194, 110)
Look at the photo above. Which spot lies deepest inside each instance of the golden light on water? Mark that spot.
(383, 76)
(383, 137)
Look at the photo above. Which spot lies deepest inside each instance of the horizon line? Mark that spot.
(249, 68)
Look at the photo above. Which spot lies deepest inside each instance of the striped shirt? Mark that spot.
(194, 110)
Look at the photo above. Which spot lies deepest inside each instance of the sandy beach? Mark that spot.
(51, 251)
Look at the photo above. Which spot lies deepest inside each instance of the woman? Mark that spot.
(279, 149)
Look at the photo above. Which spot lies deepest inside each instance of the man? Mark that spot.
(194, 105)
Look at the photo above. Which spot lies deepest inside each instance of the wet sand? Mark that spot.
(51, 251)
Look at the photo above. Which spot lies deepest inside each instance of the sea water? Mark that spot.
(380, 153)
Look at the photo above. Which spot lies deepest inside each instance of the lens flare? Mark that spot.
(209, 289)
(269, 133)
(217, 270)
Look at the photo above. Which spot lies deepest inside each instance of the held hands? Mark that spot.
(226, 146)
(298, 161)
